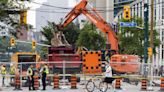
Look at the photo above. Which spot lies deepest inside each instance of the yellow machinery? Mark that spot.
(24, 58)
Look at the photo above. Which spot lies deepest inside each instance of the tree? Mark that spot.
(131, 39)
(9, 10)
(90, 38)
(71, 32)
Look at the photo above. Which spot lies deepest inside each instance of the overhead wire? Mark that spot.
(68, 8)
(96, 7)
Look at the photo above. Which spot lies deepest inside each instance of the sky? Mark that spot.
(31, 13)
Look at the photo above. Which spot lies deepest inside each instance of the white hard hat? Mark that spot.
(11, 64)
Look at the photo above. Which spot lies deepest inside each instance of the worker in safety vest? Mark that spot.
(30, 74)
(3, 72)
(44, 71)
(12, 72)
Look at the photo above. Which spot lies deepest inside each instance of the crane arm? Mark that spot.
(94, 17)
(76, 11)
(100, 23)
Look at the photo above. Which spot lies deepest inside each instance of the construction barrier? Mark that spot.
(118, 83)
(162, 84)
(17, 82)
(73, 82)
(56, 81)
(36, 82)
(144, 84)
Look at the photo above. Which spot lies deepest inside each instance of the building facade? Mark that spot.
(137, 9)
(105, 8)
(52, 11)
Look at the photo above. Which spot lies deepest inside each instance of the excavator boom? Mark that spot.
(112, 40)
(95, 18)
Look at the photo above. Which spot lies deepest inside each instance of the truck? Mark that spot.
(63, 57)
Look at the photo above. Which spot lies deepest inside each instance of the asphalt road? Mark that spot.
(81, 88)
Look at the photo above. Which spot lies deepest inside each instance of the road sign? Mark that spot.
(128, 24)
(3, 33)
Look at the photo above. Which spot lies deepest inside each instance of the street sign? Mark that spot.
(3, 33)
(128, 24)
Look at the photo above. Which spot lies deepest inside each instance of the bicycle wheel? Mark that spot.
(90, 86)
(103, 86)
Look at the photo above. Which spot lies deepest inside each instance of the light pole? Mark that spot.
(145, 37)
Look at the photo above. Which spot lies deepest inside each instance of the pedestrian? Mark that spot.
(12, 73)
(44, 71)
(108, 74)
(3, 72)
(30, 74)
(161, 71)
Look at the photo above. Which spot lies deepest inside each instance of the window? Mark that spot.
(162, 10)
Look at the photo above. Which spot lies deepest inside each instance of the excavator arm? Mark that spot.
(76, 11)
(95, 18)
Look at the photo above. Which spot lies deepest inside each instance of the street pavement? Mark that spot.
(81, 88)
(65, 87)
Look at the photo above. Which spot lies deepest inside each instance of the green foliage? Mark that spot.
(47, 32)
(90, 38)
(131, 39)
(71, 32)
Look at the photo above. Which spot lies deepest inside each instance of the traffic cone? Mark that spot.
(162, 85)
(36, 82)
(118, 83)
(143, 84)
(56, 81)
(17, 82)
(73, 82)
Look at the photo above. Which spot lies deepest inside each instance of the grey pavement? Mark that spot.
(81, 88)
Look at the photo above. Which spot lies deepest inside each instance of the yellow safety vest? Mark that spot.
(46, 70)
(3, 70)
(12, 70)
(29, 72)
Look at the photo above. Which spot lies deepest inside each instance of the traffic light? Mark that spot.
(23, 17)
(150, 51)
(127, 12)
(12, 41)
(33, 44)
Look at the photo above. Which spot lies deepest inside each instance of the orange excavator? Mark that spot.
(112, 41)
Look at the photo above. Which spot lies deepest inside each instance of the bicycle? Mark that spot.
(103, 86)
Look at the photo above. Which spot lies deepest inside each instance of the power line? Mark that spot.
(90, 10)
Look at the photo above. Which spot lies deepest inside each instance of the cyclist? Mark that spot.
(108, 74)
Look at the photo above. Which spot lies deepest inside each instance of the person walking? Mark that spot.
(30, 74)
(12, 73)
(3, 72)
(44, 71)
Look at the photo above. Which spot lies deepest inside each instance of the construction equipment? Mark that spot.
(95, 18)
(23, 57)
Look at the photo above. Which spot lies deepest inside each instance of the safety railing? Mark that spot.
(66, 69)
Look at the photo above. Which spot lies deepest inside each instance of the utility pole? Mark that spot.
(151, 28)
(151, 43)
(146, 10)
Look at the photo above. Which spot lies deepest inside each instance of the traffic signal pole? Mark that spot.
(145, 38)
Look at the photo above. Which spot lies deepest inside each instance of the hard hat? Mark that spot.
(11, 64)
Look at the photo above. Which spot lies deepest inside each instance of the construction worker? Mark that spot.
(44, 70)
(12, 72)
(30, 74)
(3, 72)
